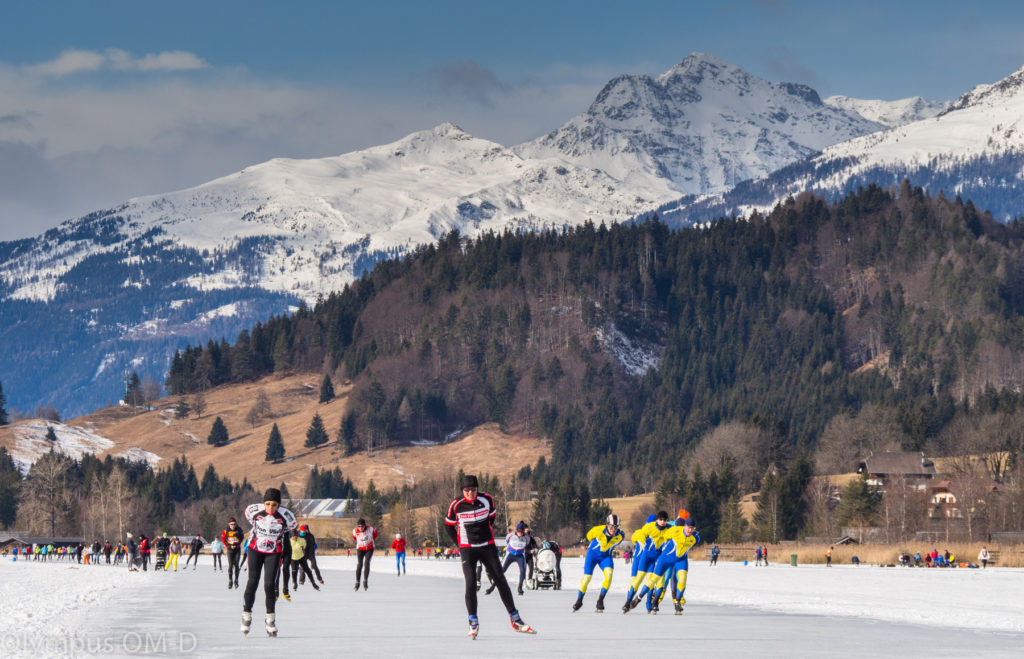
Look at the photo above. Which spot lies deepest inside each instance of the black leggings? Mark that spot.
(268, 564)
(190, 557)
(488, 556)
(233, 564)
(363, 554)
(312, 564)
(300, 566)
(217, 563)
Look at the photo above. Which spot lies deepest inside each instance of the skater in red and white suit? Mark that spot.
(364, 536)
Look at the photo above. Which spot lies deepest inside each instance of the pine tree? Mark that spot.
(316, 435)
(3, 407)
(181, 408)
(50, 434)
(285, 495)
(218, 433)
(133, 390)
(347, 433)
(734, 525)
(326, 389)
(370, 505)
(275, 445)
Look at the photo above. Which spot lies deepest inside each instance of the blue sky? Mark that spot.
(104, 101)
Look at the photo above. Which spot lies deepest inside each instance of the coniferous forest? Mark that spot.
(889, 308)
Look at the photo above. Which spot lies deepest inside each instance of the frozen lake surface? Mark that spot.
(60, 609)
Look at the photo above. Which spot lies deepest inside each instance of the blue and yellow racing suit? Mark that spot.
(599, 553)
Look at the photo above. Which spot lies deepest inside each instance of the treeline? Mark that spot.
(105, 499)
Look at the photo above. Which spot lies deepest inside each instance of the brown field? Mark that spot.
(293, 403)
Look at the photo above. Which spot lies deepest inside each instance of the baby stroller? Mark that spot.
(161, 559)
(547, 572)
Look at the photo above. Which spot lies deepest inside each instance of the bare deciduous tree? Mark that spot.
(848, 439)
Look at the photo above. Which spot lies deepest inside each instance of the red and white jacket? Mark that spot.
(268, 530)
(364, 538)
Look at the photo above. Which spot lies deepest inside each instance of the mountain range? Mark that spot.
(120, 289)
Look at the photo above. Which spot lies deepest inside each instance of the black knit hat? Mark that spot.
(272, 494)
(469, 480)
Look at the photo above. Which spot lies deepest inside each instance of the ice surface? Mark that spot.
(58, 609)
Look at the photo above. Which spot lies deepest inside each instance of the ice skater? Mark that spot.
(516, 543)
(648, 541)
(365, 536)
(672, 563)
(232, 538)
(271, 525)
(398, 544)
(468, 523)
(603, 540)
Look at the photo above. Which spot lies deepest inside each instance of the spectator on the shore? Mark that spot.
(984, 557)
(917, 559)
(715, 551)
(757, 555)
(855, 560)
(828, 557)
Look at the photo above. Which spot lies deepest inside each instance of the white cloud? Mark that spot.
(83, 61)
(70, 61)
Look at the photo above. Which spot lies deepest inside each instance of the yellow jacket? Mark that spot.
(298, 547)
(601, 544)
(680, 542)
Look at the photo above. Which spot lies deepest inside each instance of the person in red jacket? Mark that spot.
(364, 536)
(144, 550)
(399, 546)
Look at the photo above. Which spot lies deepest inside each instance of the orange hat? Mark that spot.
(683, 513)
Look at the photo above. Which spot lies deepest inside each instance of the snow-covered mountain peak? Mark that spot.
(995, 93)
(702, 126)
(890, 113)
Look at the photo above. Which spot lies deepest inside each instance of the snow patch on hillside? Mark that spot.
(635, 356)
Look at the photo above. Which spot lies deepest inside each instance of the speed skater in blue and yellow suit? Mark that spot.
(672, 562)
(647, 541)
(603, 539)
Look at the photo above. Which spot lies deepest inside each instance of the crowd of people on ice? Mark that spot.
(281, 552)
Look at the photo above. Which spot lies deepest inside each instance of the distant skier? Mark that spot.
(271, 525)
(603, 540)
(232, 538)
(468, 523)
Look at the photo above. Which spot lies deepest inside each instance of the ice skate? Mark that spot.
(271, 624)
(474, 627)
(357, 586)
(246, 621)
(578, 604)
(679, 606)
(600, 605)
(519, 625)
